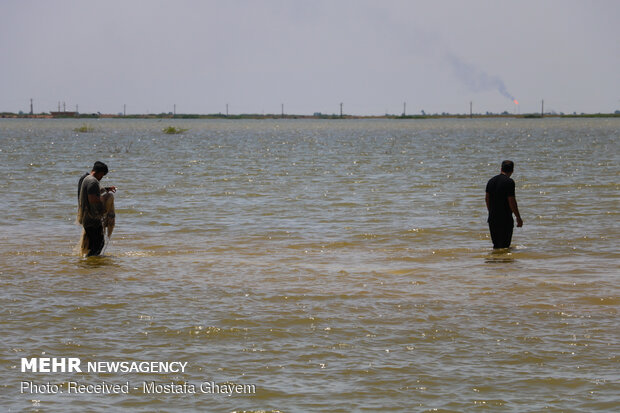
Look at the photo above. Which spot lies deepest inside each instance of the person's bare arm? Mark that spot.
(512, 201)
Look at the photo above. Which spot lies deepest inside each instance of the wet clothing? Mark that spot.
(501, 235)
(90, 215)
(500, 220)
(80, 184)
(95, 239)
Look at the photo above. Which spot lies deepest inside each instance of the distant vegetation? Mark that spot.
(85, 128)
(593, 115)
(171, 130)
(317, 115)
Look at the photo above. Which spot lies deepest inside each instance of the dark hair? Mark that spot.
(100, 167)
(508, 166)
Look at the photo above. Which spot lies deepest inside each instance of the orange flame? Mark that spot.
(516, 102)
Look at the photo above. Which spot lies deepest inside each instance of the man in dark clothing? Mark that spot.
(91, 209)
(501, 204)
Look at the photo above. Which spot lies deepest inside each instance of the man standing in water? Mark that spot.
(501, 204)
(92, 207)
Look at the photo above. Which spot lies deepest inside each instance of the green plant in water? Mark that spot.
(171, 130)
(84, 129)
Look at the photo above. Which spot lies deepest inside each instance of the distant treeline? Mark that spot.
(314, 116)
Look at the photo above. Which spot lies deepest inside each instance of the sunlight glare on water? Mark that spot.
(335, 265)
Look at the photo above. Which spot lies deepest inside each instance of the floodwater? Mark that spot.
(337, 266)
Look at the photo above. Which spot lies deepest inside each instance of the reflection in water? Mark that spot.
(500, 256)
(94, 262)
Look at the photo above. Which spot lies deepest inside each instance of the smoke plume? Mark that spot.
(477, 80)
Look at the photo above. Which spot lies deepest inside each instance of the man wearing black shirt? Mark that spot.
(501, 204)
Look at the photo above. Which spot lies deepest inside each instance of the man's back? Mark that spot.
(499, 188)
(80, 184)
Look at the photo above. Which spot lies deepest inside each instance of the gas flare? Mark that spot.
(516, 101)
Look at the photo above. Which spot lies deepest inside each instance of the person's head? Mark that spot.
(508, 167)
(99, 170)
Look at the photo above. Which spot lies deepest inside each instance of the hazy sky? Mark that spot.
(310, 55)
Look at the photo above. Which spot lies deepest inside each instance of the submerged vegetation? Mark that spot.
(171, 130)
(85, 128)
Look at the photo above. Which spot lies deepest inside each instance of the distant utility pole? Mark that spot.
(77, 109)
(175, 110)
(227, 109)
(64, 107)
(283, 110)
(340, 109)
(59, 106)
(471, 113)
(31, 108)
(124, 109)
(542, 108)
(404, 108)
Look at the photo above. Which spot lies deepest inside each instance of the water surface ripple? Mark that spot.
(335, 265)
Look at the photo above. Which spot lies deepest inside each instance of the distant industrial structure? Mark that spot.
(64, 114)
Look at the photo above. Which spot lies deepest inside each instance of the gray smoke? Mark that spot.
(475, 79)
